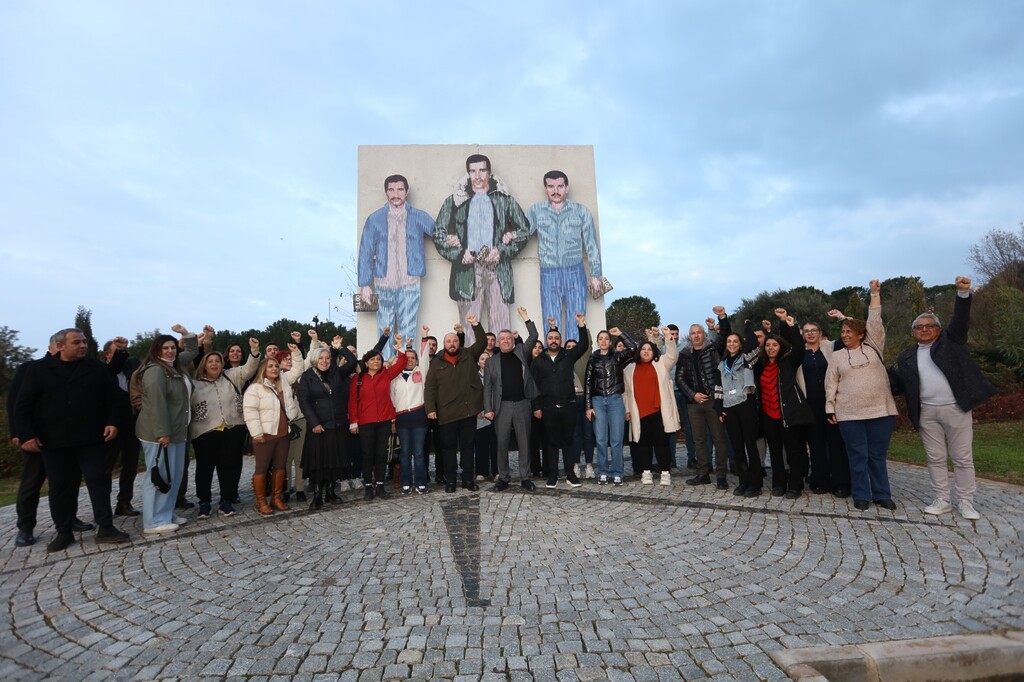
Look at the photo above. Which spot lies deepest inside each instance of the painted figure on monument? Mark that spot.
(391, 260)
(480, 229)
(565, 229)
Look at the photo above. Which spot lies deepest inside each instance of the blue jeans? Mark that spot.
(867, 441)
(583, 436)
(564, 289)
(398, 309)
(609, 427)
(414, 465)
(158, 507)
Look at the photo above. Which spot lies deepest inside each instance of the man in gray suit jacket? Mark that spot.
(508, 390)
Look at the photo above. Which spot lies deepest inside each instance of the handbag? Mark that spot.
(394, 460)
(294, 431)
(159, 482)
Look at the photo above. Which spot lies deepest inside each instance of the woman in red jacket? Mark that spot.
(371, 413)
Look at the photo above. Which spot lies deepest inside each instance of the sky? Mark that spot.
(195, 162)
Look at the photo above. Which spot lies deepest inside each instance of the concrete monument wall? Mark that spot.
(433, 172)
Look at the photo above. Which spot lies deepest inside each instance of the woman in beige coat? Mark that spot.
(651, 406)
(268, 406)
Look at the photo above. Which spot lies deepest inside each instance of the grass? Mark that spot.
(998, 450)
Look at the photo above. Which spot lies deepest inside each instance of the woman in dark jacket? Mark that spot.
(602, 391)
(785, 412)
(323, 399)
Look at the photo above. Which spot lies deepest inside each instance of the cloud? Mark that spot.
(909, 108)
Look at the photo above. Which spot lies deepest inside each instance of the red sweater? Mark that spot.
(369, 399)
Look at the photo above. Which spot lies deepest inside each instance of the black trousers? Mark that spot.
(457, 437)
(373, 439)
(741, 424)
(219, 451)
(653, 439)
(559, 426)
(183, 488)
(65, 468)
(538, 446)
(33, 474)
(124, 451)
(791, 441)
(830, 468)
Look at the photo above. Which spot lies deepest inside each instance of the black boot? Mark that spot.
(331, 494)
(318, 496)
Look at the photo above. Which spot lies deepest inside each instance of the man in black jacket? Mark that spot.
(123, 449)
(943, 385)
(555, 404)
(65, 412)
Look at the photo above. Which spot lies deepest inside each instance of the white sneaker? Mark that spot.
(479, 477)
(590, 471)
(968, 511)
(180, 520)
(576, 470)
(938, 507)
(646, 478)
(666, 478)
(165, 528)
(617, 480)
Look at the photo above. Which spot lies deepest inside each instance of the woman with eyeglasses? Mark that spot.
(858, 398)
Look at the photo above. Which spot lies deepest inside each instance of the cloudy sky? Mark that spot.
(196, 162)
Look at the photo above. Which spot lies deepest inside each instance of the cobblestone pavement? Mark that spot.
(631, 583)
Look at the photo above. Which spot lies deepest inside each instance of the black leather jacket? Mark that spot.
(604, 372)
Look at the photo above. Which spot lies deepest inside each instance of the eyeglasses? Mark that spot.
(859, 364)
(919, 327)
(812, 331)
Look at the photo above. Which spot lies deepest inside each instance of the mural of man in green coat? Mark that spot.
(480, 229)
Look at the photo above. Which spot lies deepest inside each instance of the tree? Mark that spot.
(1000, 253)
(633, 314)
(83, 321)
(11, 355)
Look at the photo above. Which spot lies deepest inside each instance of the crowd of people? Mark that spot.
(779, 397)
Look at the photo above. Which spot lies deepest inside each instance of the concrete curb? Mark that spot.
(996, 656)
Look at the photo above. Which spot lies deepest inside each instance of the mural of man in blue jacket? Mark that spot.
(391, 258)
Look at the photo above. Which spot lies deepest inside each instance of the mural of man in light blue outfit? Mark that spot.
(564, 229)
(391, 259)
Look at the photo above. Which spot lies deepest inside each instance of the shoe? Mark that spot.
(886, 504)
(236, 500)
(164, 528)
(381, 491)
(699, 480)
(300, 496)
(277, 501)
(111, 536)
(125, 509)
(752, 492)
(602, 479)
(184, 504)
(666, 478)
(480, 478)
(819, 490)
(226, 508)
(180, 520)
(589, 473)
(80, 526)
(552, 482)
(500, 485)
(722, 484)
(529, 485)
(778, 491)
(60, 542)
(576, 470)
(259, 486)
(406, 489)
(330, 492)
(318, 497)
(473, 487)
(573, 481)
(938, 507)
(450, 488)
(793, 494)
(646, 478)
(286, 496)
(617, 480)
(968, 511)
(740, 491)
(421, 489)
(841, 493)
(861, 505)
(24, 539)
(204, 511)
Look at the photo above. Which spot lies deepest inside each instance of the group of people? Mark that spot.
(824, 411)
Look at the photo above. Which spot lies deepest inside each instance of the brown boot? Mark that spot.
(278, 501)
(259, 485)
